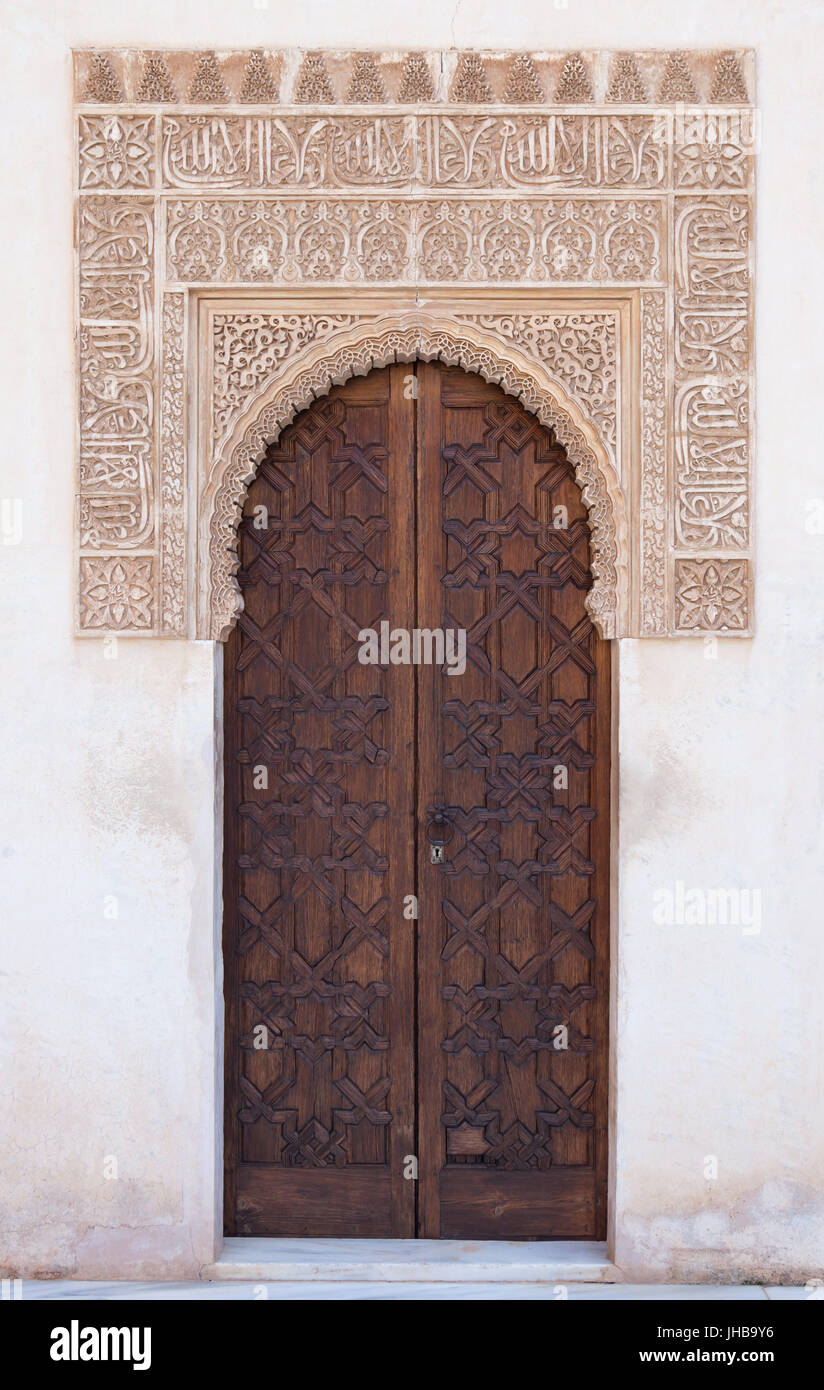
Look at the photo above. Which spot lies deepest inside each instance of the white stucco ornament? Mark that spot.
(252, 227)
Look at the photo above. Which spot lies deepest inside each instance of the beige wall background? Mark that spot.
(109, 1031)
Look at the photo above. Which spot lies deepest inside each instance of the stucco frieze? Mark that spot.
(252, 226)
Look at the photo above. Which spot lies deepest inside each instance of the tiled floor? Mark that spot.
(240, 1290)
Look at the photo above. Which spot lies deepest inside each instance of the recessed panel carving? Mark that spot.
(615, 187)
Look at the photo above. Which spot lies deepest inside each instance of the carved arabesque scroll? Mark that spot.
(400, 184)
(403, 338)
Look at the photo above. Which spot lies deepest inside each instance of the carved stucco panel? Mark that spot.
(653, 465)
(249, 348)
(116, 400)
(116, 152)
(403, 338)
(440, 78)
(345, 152)
(577, 175)
(580, 350)
(173, 466)
(711, 412)
(337, 241)
(712, 595)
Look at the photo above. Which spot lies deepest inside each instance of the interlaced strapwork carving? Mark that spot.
(452, 507)
(518, 754)
(312, 848)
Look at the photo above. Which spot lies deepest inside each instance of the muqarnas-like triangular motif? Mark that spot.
(313, 85)
(625, 81)
(417, 84)
(258, 83)
(101, 83)
(365, 85)
(574, 84)
(207, 85)
(471, 84)
(156, 83)
(522, 84)
(728, 83)
(677, 83)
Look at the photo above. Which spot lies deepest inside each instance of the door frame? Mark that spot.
(613, 1122)
(127, 209)
(612, 1107)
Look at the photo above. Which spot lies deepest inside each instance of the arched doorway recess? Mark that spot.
(416, 868)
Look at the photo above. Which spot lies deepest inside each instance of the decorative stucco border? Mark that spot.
(302, 77)
(470, 190)
(403, 338)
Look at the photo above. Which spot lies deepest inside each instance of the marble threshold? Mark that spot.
(413, 1261)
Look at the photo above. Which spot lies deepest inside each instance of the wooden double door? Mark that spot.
(416, 1048)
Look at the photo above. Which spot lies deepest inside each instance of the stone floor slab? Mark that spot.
(398, 1291)
(413, 1261)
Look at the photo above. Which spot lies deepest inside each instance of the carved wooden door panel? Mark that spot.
(513, 928)
(474, 1038)
(319, 959)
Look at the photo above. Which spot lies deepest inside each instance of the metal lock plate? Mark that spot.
(437, 854)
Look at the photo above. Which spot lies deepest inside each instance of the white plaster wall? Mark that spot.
(108, 1029)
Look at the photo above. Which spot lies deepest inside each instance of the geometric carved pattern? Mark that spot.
(404, 339)
(515, 923)
(512, 928)
(310, 892)
(577, 173)
(316, 78)
(116, 152)
(711, 595)
(580, 350)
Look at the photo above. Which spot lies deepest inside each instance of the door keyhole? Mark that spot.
(439, 832)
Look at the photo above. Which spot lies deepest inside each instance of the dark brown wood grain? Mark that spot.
(336, 1202)
(499, 1204)
(513, 930)
(389, 1037)
(318, 953)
